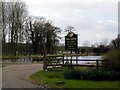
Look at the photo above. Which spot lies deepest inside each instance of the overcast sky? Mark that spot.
(95, 21)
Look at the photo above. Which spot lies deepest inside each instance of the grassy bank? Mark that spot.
(55, 79)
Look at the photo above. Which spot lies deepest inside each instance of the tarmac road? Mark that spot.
(16, 76)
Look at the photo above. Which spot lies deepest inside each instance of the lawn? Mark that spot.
(55, 79)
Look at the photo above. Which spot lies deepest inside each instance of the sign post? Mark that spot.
(71, 42)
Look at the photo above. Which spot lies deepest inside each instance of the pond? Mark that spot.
(84, 58)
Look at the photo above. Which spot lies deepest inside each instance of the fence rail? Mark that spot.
(55, 62)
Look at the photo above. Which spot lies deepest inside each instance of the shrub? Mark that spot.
(72, 74)
(112, 60)
(102, 75)
(92, 75)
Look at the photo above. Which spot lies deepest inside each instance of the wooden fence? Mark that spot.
(61, 61)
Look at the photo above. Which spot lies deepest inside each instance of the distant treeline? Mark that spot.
(25, 49)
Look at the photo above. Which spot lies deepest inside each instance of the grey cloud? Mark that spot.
(75, 4)
(94, 21)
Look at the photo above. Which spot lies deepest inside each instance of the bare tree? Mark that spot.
(3, 21)
(105, 42)
(16, 13)
(34, 31)
(41, 33)
(0, 22)
(69, 28)
(115, 43)
(52, 38)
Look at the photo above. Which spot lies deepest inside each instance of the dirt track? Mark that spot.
(16, 76)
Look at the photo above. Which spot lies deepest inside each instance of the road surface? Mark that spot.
(16, 76)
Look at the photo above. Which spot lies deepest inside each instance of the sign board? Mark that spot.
(71, 41)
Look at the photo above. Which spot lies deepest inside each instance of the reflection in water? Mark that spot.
(85, 58)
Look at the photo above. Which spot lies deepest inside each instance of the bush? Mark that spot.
(92, 75)
(72, 74)
(102, 75)
(112, 60)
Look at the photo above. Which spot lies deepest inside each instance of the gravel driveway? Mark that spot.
(16, 76)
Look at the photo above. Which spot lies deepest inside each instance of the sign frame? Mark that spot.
(71, 41)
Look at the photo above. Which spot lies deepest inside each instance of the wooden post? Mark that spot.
(67, 57)
(63, 59)
(76, 57)
(97, 63)
(71, 58)
(44, 60)
(44, 63)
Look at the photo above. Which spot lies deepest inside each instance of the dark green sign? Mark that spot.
(71, 41)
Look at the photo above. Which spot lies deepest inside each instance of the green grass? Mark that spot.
(51, 78)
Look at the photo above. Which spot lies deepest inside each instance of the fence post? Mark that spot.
(76, 56)
(63, 59)
(97, 63)
(71, 57)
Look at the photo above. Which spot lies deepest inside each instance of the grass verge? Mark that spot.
(55, 79)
